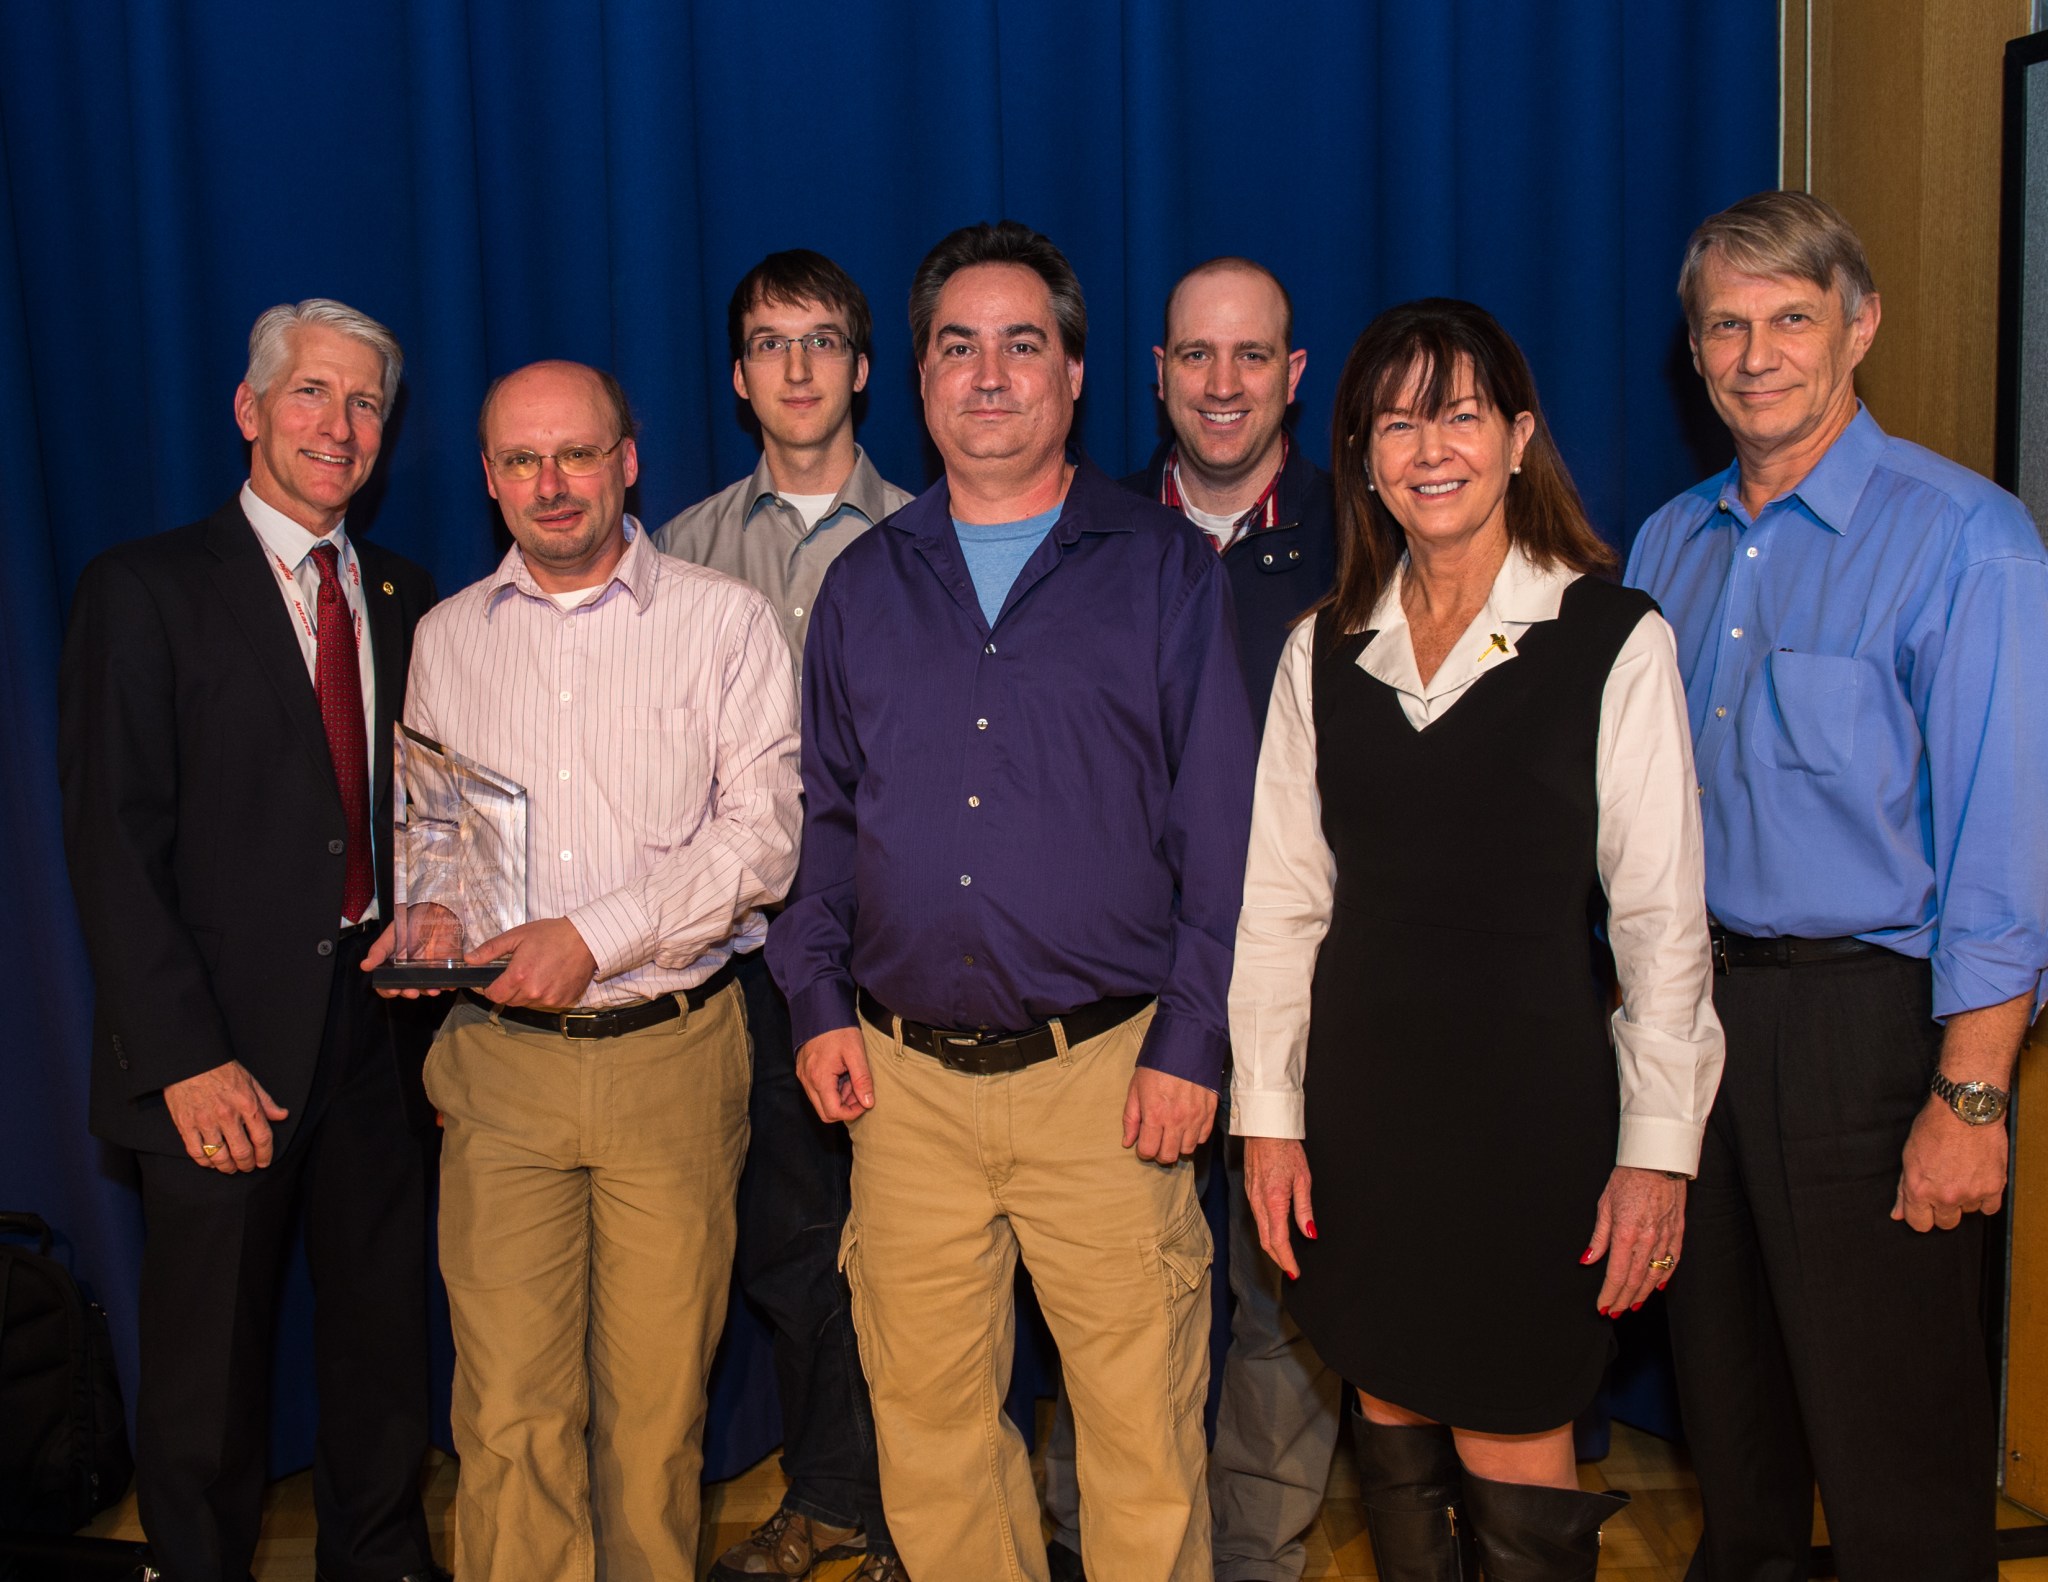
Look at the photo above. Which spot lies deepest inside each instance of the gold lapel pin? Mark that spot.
(389, 589)
(1499, 642)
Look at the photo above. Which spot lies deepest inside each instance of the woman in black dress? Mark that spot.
(1477, 753)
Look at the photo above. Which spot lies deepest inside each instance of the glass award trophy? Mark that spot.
(458, 862)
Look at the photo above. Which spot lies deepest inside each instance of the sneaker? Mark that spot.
(786, 1545)
(879, 1568)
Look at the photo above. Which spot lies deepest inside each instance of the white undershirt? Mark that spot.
(1668, 1041)
(580, 596)
(288, 548)
(1221, 528)
(811, 507)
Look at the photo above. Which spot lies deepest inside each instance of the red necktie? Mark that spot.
(338, 684)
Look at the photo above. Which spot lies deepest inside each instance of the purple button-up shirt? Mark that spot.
(1005, 824)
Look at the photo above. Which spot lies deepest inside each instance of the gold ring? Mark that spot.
(1664, 1262)
(209, 1149)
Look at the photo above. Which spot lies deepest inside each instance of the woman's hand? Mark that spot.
(1640, 1223)
(1276, 1181)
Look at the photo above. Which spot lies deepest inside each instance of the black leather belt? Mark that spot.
(615, 1021)
(1736, 951)
(981, 1053)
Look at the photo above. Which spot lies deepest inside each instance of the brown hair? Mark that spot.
(1004, 242)
(1433, 338)
(799, 275)
(1777, 233)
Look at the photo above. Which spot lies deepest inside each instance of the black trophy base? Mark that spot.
(434, 975)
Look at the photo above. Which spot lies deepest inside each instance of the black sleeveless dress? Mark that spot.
(1462, 1101)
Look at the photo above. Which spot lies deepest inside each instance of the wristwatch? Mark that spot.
(1975, 1103)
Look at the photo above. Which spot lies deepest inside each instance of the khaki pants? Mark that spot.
(953, 1175)
(587, 1240)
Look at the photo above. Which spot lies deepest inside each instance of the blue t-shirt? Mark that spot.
(996, 552)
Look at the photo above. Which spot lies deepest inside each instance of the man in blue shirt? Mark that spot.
(1863, 628)
(1027, 763)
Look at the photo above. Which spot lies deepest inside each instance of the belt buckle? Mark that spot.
(585, 1023)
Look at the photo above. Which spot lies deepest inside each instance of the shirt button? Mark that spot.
(324, 948)
(1266, 560)
(967, 878)
(565, 697)
(981, 725)
(1735, 631)
(1752, 551)
(968, 959)
(799, 610)
(1723, 507)
(1720, 714)
(336, 847)
(565, 856)
(561, 774)
(974, 801)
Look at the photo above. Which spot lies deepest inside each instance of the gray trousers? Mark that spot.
(1276, 1426)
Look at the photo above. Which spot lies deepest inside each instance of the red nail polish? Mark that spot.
(1662, 1283)
(1292, 1275)
(1586, 1256)
(1311, 1229)
(1635, 1307)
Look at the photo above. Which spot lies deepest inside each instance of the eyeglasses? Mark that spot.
(830, 345)
(577, 461)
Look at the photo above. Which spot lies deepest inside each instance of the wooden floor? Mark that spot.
(1649, 1542)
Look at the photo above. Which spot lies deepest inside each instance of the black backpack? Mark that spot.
(63, 1438)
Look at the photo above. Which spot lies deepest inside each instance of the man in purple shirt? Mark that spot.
(1027, 764)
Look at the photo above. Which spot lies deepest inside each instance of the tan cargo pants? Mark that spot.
(587, 1190)
(953, 1175)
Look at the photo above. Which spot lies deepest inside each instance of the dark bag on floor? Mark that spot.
(63, 1439)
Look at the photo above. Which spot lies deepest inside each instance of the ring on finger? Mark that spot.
(1663, 1263)
(210, 1149)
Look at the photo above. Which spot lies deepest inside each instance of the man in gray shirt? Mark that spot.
(799, 328)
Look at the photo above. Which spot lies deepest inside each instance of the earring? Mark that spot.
(1371, 487)
(1518, 469)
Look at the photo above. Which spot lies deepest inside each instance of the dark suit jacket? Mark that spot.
(202, 818)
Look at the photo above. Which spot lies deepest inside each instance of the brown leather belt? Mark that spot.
(1733, 952)
(982, 1053)
(616, 1020)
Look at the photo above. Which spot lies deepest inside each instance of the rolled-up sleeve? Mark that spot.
(1289, 887)
(1668, 1044)
(1986, 724)
(1207, 729)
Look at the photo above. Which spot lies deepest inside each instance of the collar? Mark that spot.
(862, 491)
(1523, 594)
(1264, 512)
(1095, 503)
(1833, 488)
(285, 539)
(635, 572)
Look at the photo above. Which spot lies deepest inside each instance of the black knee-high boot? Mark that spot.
(1409, 1482)
(1528, 1533)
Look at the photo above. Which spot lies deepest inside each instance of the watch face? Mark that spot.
(1979, 1103)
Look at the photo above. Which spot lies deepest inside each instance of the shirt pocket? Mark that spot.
(1806, 713)
(656, 773)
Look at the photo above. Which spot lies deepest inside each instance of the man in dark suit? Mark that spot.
(226, 702)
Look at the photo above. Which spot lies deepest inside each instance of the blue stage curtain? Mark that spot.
(528, 178)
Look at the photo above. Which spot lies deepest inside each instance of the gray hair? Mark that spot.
(1778, 233)
(269, 347)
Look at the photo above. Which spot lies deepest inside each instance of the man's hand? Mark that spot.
(1276, 1183)
(1167, 1116)
(1949, 1169)
(550, 966)
(379, 953)
(1641, 1218)
(833, 1067)
(227, 1109)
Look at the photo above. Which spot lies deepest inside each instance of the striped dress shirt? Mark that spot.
(654, 728)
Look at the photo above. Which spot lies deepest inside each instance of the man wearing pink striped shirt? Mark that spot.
(594, 1096)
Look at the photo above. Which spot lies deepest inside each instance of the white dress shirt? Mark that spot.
(1668, 1043)
(654, 728)
(288, 548)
